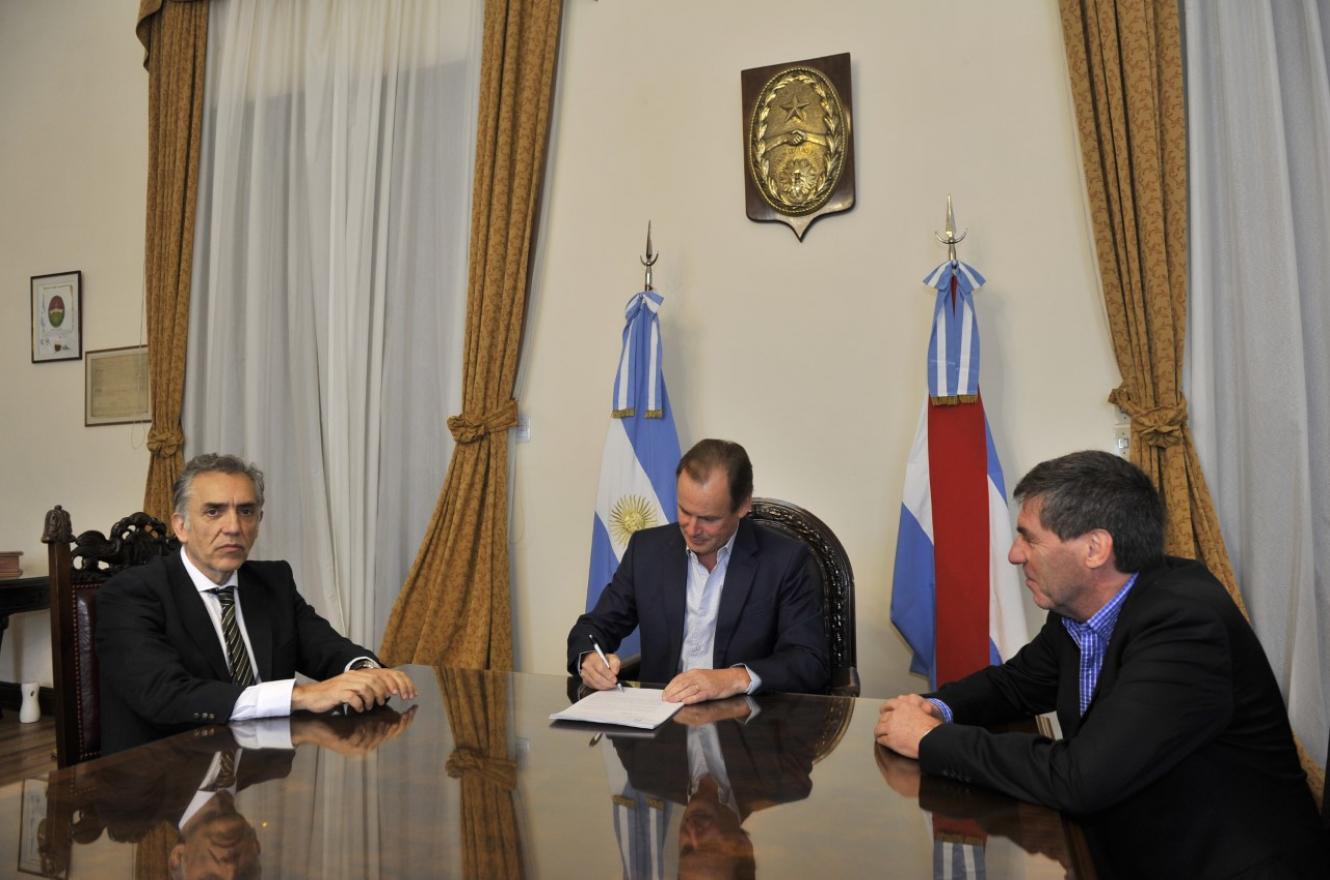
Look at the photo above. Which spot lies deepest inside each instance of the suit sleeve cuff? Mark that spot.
(271, 699)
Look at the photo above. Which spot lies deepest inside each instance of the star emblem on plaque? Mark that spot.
(798, 146)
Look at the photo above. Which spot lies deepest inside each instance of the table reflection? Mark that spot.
(964, 817)
(721, 762)
(473, 780)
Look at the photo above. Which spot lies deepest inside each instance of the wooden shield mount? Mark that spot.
(798, 142)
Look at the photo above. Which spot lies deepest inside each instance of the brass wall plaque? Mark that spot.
(798, 144)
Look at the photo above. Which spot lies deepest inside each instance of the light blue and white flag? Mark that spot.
(641, 451)
(641, 822)
(955, 597)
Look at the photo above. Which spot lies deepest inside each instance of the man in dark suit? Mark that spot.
(1177, 754)
(205, 636)
(725, 606)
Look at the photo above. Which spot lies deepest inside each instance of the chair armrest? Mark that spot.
(845, 682)
(630, 668)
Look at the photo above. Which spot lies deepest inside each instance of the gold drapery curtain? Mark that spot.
(454, 608)
(1124, 59)
(477, 705)
(174, 34)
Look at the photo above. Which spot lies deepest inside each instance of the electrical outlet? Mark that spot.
(1122, 439)
(523, 429)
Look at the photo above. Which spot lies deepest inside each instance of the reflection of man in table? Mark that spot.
(725, 606)
(1177, 757)
(723, 761)
(190, 784)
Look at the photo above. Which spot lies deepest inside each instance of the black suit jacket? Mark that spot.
(162, 666)
(1182, 766)
(770, 615)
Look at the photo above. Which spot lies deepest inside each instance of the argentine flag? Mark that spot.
(955, 598)
(641, 451)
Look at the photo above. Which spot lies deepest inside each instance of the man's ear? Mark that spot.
(746, 507)
(1099, 548)
(178, 527)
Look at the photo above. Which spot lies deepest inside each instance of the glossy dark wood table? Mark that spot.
(474, 781)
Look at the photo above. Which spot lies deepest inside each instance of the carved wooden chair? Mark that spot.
(78, 568)
(837, 577)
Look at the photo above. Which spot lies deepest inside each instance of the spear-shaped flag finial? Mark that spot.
(951, 239)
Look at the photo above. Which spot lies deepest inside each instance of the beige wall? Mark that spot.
(811, 354)
(73, 154)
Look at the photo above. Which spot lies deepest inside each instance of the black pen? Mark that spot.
(595, 644)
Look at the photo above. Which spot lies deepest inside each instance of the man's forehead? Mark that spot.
(220, 487)
(1031, 514)
(714, 478)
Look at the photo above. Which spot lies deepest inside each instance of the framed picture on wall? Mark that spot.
(57, 317)
(116, 386)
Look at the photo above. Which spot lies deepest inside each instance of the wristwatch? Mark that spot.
(365, 663)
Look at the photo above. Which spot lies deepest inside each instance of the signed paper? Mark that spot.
(630, 707)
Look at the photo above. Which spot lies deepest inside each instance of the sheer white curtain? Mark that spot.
(1258, 374)
(329, 279)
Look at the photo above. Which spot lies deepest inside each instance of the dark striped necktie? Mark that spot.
(226, 772)
(236, 655)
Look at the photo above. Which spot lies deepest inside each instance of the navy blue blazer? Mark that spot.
(770, 615)
(162, 666)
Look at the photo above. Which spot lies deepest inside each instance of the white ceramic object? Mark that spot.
(29, 711)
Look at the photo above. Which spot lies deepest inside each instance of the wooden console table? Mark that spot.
(22, 594)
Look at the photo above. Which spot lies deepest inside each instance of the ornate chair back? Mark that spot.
(837, 583)
(78, 568)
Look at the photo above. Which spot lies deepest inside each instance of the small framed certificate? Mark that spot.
(57, 317)
(116, 386)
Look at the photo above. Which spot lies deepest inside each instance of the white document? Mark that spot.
(630, 707)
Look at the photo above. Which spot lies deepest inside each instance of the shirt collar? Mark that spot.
(200, 580)
(1105, 619)
(722, 555)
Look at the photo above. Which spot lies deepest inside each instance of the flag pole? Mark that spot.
(648, 260)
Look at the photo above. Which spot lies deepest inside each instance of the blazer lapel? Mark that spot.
(674, 571)
(258, 620)
(738, 582)
(1069, 684)
(195, 619)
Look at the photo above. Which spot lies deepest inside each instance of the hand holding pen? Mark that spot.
(600, 671)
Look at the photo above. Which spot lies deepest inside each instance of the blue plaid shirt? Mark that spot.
(1091, 637)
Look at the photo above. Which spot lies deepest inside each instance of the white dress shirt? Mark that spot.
(701, 611)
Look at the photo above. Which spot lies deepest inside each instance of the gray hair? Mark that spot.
(212, 463)
(1088, 490)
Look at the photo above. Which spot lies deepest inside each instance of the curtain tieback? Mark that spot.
(466, 429)
(464, 762)
(1159, 426)
(165, 442)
